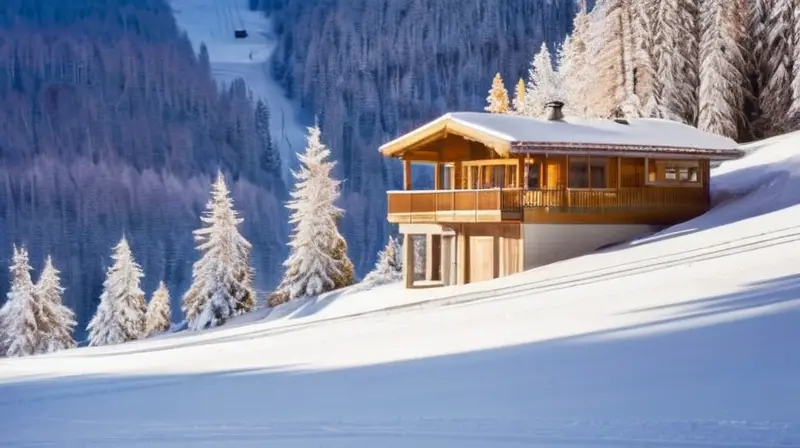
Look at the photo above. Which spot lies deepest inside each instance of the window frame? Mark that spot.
(590, 161)
(663, 165)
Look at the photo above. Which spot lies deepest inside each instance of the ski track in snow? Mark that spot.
(213, 22)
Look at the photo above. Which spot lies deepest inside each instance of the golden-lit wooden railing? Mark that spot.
(444, 200)
(623, 198)
(513, 200)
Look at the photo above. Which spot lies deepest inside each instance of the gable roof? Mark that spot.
(511, 133)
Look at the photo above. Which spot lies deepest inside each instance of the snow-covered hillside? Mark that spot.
(686, 338)
(213, 22)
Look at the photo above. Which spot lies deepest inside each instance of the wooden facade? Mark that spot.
(487, 189)
(543, 188)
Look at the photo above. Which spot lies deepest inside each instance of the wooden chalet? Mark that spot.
(512, 193)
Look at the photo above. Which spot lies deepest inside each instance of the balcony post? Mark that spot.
(408, 260)
(406, 175)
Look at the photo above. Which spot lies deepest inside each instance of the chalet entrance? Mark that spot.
(460, 253)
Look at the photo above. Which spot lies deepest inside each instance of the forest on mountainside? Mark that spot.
(372, 69)
(111, 124)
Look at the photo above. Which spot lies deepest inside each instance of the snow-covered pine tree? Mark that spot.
(646, 88)
(721, 77)
(794, 109)
(388, 268)
(60, 320)
(22, 315)
(519, 97)
(773, 35)
(610, 54)
(677, 64)
(497, 101)
(120, 317)
(543, 84)
(318, 261)
(573, 66)
(270, 156)
(158, 311)
(222, 279)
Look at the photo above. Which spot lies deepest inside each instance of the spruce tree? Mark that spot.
(318, 260)
(120, 317)
(22, 314)
(158, 311)
(677, 47)
(543, 84)
(519, 96)
(222, 279)
(388, 268)
(497, 101)
(794, 108)
(774, 63)
(60, 320)
(270, 156)
(721, 79)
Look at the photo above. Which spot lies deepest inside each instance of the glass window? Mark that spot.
(598, 173)
(675, 171)
(447, 177)
(578, 172)
(498, 177)
(533, 176)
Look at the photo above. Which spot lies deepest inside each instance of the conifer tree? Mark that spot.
(120, 317)
(59, 319)
(318, 259)
(158, 311)
(222, 279)
(677, 47)
(646, 87)
(543, 84)
(721, 78)
(497, 101)
(388, 268)
(519, 96)
(574, 66)
(22, 315)
(611, 88)
(270, 156)
(794, 108)
(773, 34)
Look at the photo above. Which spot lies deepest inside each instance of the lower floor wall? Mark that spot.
(548, 243)
(467, 253)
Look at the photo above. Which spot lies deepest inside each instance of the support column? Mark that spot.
(447, 260)
(433, 257)
(408, 260)
(406, 175)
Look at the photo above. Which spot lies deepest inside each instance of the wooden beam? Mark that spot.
(437, 176)
(406, 174)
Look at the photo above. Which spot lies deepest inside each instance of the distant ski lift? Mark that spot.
(240, 34)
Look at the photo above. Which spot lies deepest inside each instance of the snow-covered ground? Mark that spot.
(686, 338)
(213, 22)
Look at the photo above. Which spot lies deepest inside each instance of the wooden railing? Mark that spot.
(575, 200)
(446, 200)
(511, 201)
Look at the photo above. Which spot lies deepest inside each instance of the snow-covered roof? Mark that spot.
(526, 133)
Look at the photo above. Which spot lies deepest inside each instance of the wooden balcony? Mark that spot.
(656, 204)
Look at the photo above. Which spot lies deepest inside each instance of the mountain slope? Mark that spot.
(111, 124)
(685, 338)
(212, 22)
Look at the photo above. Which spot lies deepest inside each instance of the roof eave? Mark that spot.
(613, 149)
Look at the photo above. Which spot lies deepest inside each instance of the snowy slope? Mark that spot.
(686, 338)
(213, 22)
